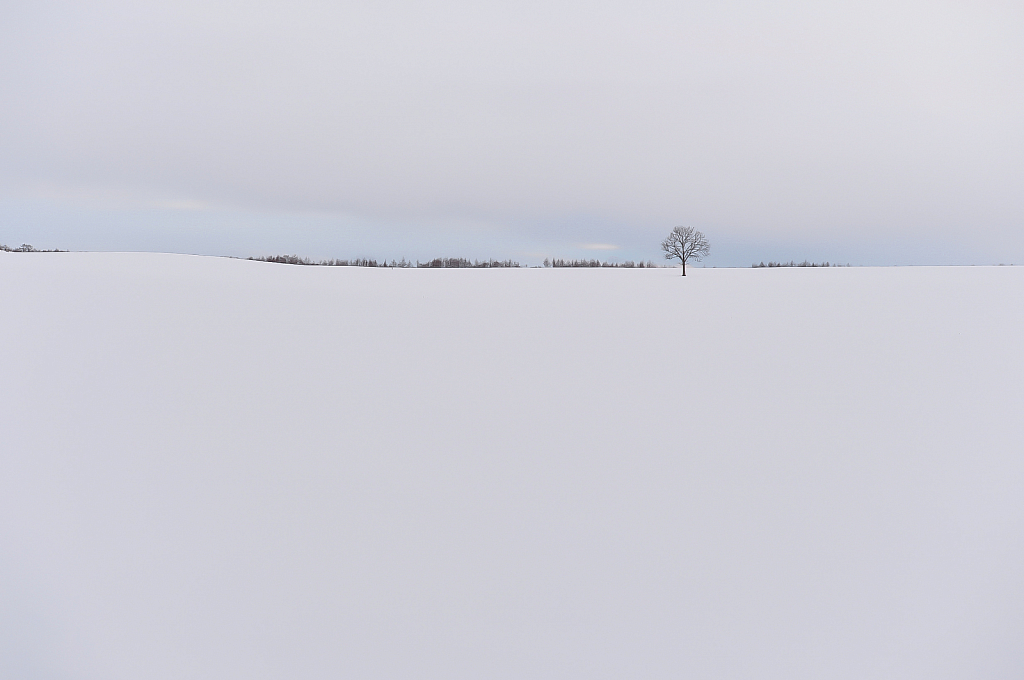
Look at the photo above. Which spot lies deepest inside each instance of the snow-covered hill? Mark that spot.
(222, 469)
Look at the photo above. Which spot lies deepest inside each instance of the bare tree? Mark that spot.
(685, 244)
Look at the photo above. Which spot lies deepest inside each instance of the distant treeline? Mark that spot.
(628, 264)
(295, 259)
(436, 263)
(792, 263)
(26, 248)
(463, 263)
(453, 263)
(449, 263)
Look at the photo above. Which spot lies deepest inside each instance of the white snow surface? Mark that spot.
(220, 469)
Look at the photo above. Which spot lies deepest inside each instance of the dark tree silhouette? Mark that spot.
(685, 244)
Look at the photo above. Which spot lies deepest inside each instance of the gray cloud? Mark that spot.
(883, 122)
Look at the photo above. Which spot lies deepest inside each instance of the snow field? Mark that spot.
(218, 468)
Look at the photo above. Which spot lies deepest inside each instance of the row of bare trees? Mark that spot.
(436, 263)
(628, 264)
(26, 248)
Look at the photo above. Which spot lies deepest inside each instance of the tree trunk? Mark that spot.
(684, 267)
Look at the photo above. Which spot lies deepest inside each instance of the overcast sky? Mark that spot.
(870, 132)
